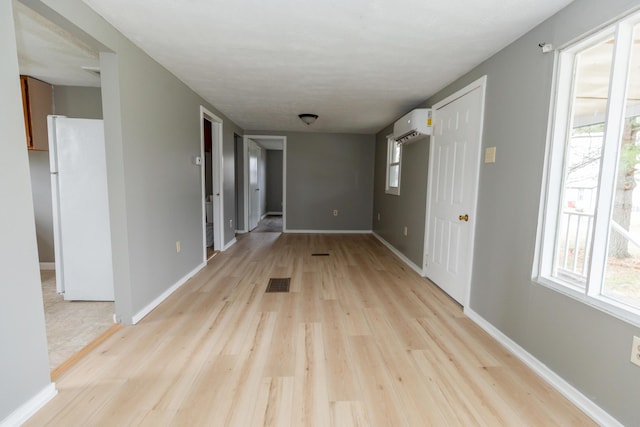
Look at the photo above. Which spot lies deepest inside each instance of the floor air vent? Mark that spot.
(278, 285)
(320, 254)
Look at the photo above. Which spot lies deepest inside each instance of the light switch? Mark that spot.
(490, 155)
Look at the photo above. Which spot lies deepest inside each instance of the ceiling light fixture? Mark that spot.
(307, 118)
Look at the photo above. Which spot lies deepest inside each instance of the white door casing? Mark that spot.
(281, 143)
(454, 165)
(216, 181)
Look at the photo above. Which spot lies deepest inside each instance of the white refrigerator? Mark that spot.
(81, 226)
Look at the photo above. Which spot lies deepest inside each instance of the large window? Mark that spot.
(591, 237)
(394, 156)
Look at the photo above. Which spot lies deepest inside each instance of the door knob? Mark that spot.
(464, 217)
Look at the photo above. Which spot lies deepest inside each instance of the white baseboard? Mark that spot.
(263, 216)
(241, 231)
(399, 254)
(327, 231)
(228, 245)
(47, 266)
(33, 405)
(598, 414)
(156, 302)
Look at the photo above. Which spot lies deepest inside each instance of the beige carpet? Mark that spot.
(71, 325)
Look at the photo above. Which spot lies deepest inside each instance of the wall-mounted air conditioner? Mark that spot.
(416, 125)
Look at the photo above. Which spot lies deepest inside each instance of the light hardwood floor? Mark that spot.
(360, 340)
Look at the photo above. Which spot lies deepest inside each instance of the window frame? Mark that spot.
(391, 143)
(557, 145)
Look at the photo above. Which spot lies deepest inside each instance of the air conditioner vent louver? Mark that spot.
(413, 126)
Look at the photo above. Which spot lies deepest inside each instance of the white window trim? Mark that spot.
(387, 188)
(555, 152)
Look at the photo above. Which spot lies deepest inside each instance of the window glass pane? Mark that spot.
(395, 152)
(622, 274)
(393, 175)
(582, 163)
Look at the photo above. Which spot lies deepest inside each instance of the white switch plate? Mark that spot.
(378, 216)
(635, 351)
(490, 155)
(178, 246)
(405, 230)
(335, 212)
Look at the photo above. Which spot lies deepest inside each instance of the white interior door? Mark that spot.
(254, 185)
(453, 187)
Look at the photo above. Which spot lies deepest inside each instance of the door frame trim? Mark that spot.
(216, 166)
(245, 154)
(482, 84)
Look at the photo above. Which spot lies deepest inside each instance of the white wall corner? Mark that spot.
(574, 395)
(33, 405)
(399, 254)
(156, 302)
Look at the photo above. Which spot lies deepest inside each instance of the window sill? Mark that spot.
(602, 303)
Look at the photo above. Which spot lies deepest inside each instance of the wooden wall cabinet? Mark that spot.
(37, 102)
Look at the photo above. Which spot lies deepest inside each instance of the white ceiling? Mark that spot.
(49, 53)
(358, 64)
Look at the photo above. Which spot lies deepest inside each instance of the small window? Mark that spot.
(394, 156)
(590, 243)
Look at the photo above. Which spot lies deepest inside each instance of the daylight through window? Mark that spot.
(591, 240)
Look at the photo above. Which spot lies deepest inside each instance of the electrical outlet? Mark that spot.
(635, 351)
(335, 212)
(178, 246)
(405, 231)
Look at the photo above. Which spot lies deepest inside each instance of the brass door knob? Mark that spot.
(464, 217)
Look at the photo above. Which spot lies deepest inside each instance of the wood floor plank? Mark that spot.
(359, 340)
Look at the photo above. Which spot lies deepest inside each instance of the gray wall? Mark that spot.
(408, 208)
(239, 182)
(77, 101)
(327, 171)
(152, 127)
(588, 348)
(24, 360)
(263, 181)
(70, 101)
(274, 181)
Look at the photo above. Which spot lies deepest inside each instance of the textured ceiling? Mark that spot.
(358, 64)
(49, 53)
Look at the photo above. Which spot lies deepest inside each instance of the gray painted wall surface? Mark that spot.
(274, 181)
(152, 126)
(588, 348)
(70, 101)
(327, 171)
(408, 208)
(77, 101)
(24, 360)
(41, 188)
(262, 168)
(239, 182)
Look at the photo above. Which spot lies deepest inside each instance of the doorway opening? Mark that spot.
(265, 183)
(77, 312)
(211, 183)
